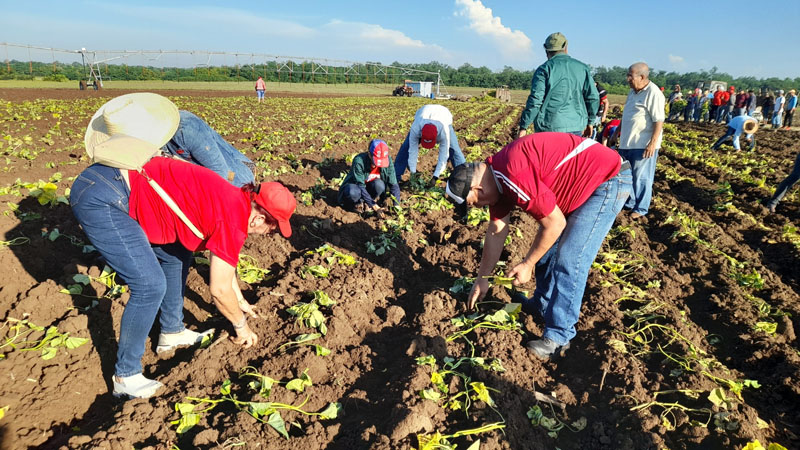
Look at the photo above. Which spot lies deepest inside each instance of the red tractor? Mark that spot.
(403, 90)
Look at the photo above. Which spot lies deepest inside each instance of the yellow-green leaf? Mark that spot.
(186, 422)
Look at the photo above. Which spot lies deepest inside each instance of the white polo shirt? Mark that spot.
(642, 111)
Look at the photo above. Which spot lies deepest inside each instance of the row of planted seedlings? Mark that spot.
(250, 391)
(727, 199)
(456, 387)
(749, 167)
(655, 332)
(454, 384)
(743, 273)
(746, 276)
(21, 335)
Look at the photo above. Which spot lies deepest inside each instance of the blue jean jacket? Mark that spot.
(198, 143)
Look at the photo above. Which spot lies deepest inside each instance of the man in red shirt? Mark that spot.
(718, 104)
(574, 188)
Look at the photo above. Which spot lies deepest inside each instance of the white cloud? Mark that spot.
(675, 60)
(376, 41)
(511, 43)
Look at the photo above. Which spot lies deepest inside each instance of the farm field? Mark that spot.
(246, 87)
(686, 339)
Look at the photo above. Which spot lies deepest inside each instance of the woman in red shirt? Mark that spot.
(151, 248)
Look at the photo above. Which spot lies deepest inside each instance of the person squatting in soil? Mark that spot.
(574, 188)
(785, 185)
(433, 124)
(737, 125)
(607, 136)
(370, 174)
(146, 243)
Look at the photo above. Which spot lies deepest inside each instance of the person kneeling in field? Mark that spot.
(736, 126)
(574, 188)
(370, 174)
(149, 246)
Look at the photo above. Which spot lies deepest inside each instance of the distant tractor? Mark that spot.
(403, 90)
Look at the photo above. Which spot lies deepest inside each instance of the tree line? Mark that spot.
(612, 79)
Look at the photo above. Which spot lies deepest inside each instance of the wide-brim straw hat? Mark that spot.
(143, 115)
(750, 126)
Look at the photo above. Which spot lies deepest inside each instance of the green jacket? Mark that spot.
(362, 165)
(563, 96)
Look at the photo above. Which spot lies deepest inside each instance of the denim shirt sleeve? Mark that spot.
(197, 138)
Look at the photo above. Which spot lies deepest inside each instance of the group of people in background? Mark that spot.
(724, 104)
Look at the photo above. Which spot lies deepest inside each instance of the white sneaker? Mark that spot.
(167, 342)
(135, 386)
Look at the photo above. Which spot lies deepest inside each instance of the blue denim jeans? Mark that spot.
(777, 119)
(562, 272)
(786, 184)
(644, 171)
(727, 136)
(197, 142)
(722, 113)
(156, 275)
(698, 112)
(455, 156)
(260, 93)
(350, 194)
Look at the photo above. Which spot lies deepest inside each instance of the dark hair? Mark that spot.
(250, 188)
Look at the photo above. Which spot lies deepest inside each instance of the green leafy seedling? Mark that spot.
(317, 271)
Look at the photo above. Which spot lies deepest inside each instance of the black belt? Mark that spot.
(626, 165)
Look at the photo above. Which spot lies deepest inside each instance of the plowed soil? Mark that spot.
(664, 270)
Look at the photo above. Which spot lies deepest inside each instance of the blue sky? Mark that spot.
(758, 39)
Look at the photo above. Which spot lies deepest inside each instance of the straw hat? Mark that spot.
(750, 126)
(143, 115)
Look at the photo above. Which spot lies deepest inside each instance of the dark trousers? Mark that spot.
(787, 119)
(786, 184)
(350, 194)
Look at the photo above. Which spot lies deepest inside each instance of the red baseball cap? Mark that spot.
(380, 153)
(429, 133)
(279, 203)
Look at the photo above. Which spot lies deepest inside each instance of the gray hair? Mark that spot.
(640, 68)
